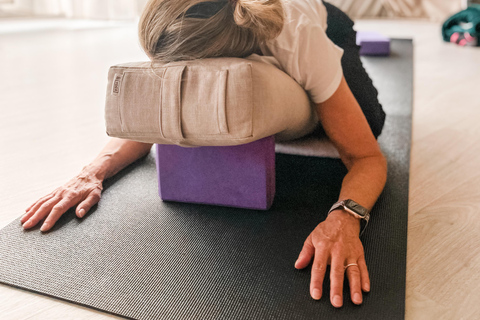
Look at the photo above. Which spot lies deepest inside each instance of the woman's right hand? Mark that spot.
(84, 191)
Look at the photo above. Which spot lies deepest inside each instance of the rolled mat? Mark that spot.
(138, 257)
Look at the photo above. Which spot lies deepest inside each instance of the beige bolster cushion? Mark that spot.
(207, 102)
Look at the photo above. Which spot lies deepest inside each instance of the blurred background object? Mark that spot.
(434, 10)
(463, 28)
(467, 3)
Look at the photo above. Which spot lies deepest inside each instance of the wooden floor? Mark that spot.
(52, 86)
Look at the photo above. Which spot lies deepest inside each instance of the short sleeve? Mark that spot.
(306, 53)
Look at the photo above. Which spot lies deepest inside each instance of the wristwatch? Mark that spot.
(354, 209)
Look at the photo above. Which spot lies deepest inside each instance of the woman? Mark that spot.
(295, 32)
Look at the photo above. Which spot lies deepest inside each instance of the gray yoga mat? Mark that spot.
(139, 257)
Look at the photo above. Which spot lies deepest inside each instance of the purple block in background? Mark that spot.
(373, 43)
(234, 176)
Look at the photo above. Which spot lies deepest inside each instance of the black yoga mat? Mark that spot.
(139, 257)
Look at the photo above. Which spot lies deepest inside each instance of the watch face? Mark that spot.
(355, 207)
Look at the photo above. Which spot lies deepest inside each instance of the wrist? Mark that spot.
(99, 168)
(345, 218)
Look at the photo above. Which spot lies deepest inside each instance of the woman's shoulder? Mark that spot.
(304, 51)
(299, 16)
(299, 12)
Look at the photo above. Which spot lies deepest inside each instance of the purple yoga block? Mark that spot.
(234, 176)
(373, 43)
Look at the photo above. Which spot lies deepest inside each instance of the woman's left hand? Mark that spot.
(336, 242)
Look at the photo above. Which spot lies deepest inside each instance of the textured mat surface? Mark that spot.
(142, 258)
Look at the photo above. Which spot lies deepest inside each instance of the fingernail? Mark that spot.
(81, 213)
(316, 294)
(357, 297)
(44, 227)
(367, 286)
(27, 224)
(337, 301)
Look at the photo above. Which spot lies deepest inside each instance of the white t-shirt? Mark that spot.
(304, 51)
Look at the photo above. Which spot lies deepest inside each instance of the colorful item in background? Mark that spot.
(373, 43)
(464, 39)
(463, 28)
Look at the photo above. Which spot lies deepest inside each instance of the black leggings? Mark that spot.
(340, 31)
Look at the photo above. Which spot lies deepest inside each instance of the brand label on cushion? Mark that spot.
(117, 83)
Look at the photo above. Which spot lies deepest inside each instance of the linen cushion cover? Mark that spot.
(206, 102)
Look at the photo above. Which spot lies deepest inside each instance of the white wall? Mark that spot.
(84, 9)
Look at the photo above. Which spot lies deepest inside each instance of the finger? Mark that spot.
(337, 272)
(364, 274)
(34, 207)
(318, 272)
(43, 199)
(57, 211)
(69, 199)
(88, 203)
(306, 254)
(41, 213)
(354, 281)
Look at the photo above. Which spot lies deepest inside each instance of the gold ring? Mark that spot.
(349, 265)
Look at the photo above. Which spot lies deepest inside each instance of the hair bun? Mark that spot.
(264, 18)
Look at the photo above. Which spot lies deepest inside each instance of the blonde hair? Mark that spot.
(236, 30)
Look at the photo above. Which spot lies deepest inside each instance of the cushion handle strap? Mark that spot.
(170, 112)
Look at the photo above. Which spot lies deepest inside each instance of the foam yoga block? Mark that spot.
(236, 176)
(373, 43)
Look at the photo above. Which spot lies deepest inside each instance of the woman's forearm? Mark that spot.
(365, 180)
(363, 183)
(116, 155)
(348, 129)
